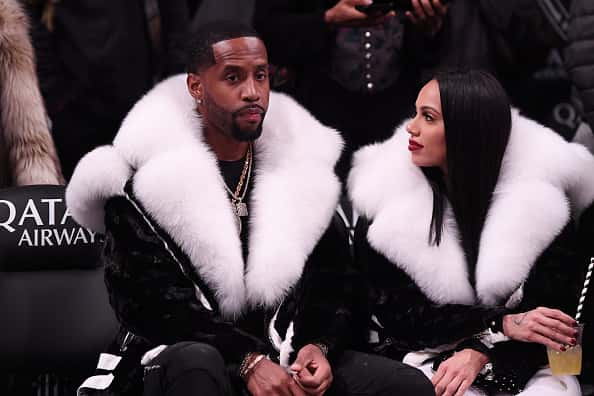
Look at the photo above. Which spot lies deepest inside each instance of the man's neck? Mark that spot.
(225, 147)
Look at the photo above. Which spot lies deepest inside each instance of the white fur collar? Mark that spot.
(541, 177)
(178, 182)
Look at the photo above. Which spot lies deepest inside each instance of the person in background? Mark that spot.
(95, 60)
(579, 55)
(354, 71)
(473, 219)
(518, 41)
(27, 152)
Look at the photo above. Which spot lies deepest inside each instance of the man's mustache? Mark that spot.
(248, 107)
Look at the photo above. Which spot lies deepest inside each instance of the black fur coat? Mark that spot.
(174, 264)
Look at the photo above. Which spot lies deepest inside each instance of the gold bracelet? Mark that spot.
(250, 367)
(245, 362)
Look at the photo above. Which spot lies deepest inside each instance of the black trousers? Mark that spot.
(190, 368)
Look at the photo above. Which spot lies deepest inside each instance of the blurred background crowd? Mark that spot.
(93, 60)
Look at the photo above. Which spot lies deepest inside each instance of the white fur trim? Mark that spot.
(388, 189)
(295, 195)
(163, 120)
(541, 175)
(180, 186)
(182, 191)
(99, 175)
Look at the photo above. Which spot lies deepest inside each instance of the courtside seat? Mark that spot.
(54, 310)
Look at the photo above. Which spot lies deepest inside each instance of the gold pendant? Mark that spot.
(241, 209)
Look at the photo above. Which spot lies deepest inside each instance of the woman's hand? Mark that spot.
(455, 375)
(546, 326)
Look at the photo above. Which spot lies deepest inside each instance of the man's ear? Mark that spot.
(194, 83)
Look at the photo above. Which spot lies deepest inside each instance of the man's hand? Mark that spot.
(268, 379)
(456, 374)
(344, 13)
(313, 372)
(546, 326)
(427, 15)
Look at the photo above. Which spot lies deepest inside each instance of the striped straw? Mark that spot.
(584, 290)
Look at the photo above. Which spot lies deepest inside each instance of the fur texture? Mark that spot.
(177, 180)
(543, 182)
(27, 152)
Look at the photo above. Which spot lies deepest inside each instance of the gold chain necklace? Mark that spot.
(237, 205)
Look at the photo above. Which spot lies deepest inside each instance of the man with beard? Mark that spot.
(222, 263)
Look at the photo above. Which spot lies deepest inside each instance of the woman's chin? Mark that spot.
(418, 161)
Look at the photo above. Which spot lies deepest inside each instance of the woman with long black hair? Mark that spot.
(469, 236)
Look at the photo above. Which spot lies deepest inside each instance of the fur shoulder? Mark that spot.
(99, 175)
(291, 125)
(28, 142)
(161, 121)
(537, 153)
(14, 24)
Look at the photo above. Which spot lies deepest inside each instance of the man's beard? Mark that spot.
(246, 135)
(228, 124)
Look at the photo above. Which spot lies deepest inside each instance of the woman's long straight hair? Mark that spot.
(477, 121)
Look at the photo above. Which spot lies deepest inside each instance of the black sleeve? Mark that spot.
(332, 308)
(294, 35)
(579, 55)
(151, 296)
(409, 319)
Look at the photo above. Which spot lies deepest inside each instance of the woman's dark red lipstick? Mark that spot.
(414, 146)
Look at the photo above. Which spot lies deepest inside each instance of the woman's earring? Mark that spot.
(199, 101)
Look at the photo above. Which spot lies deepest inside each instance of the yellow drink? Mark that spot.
(566, 363)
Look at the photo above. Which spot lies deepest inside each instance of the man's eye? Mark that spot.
(261, 76)
(232, 78)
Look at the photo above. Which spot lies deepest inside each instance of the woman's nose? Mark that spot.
(410, 128)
